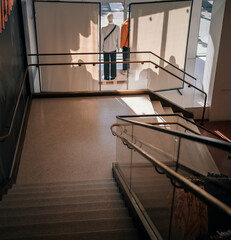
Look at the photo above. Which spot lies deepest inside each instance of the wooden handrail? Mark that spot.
(100, 53)
(142, 62)
(197, 191)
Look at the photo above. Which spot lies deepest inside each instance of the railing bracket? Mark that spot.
(158, 170)
(174, 184)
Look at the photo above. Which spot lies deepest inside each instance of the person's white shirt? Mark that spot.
(112, 43)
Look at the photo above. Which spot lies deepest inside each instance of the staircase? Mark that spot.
(166, 145)
(66, 210)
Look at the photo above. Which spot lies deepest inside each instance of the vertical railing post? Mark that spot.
(174, 190)
(130, 185)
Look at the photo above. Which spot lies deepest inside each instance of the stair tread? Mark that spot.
(62, 200)
(115, 234)
(87, 181)
(62, 217)
(65, 227)
(62, 208)
(64, 185)
(60, 189)
(158, 108)
(12, 196)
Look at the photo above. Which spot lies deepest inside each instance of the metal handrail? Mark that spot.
(175, 123)
(142, 142)
(142, 62)
(3, 137)
(176, 115)
(99, 53)
(197, 191)
(196, 138)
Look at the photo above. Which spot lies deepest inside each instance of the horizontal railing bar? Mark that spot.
(196, 138)
(117, 62)
(99, 53)
(174, 115)
(174, 123)
(159, 150)
(142, 62)
(197, 191)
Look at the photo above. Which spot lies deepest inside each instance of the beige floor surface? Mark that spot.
(69, 139)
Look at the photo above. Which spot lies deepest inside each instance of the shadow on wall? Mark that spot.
(79, 78)
(157, 17)
(158, 79)
(65, 27)
(162, 28)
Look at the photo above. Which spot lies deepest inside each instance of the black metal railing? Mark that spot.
(129, 130)
(128, 62)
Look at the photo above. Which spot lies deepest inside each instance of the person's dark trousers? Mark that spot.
(113, 65)
(109, 57)
(125, 57)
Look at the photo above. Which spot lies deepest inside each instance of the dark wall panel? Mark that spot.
(12, 68)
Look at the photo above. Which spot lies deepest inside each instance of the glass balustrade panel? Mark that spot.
(123, 153)
(148, 184)
(194, 219)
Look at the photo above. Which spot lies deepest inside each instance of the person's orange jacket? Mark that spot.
(124, 34)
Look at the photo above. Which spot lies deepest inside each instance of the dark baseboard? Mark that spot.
(153, 96)
(90, 94)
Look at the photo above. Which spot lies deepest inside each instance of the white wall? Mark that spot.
(153, 28)
(217, 68)
(221, 95)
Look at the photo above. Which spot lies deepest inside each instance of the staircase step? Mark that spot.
(80, 182)
(158, 108)
(64, 228)
(168, 110)
(58, 209)
(64, 193)
(62, 217)
(115, 234)
(67, 186)
(60, 201)
(188, 124)
(61, 189)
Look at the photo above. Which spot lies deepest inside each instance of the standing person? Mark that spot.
(124, 45)
(110, 42)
